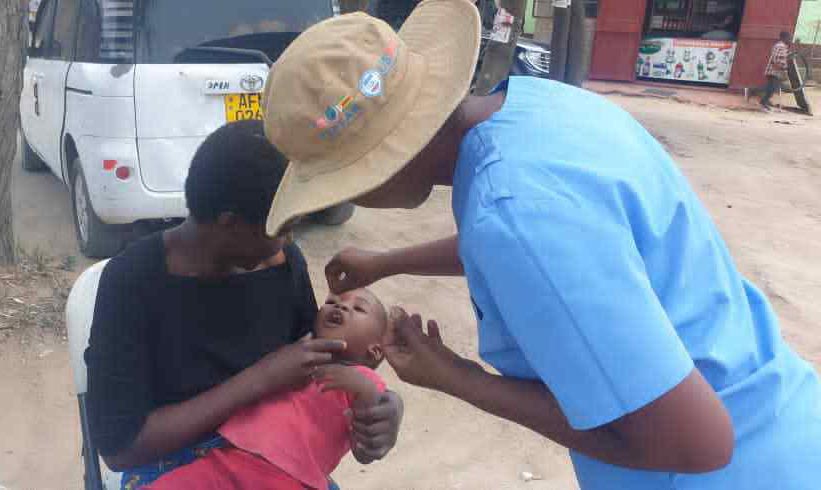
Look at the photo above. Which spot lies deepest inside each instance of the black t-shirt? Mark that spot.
(159, 339)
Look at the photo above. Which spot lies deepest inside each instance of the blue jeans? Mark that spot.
(136, 478)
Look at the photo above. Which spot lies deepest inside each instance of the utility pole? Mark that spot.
(575, 57)
(560, 40)
(498, 55)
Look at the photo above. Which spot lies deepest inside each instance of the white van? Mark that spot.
(118, 94)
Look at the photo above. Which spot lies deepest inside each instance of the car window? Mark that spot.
(166, 34)
(89, 31)
(65, 27)
(41, 38)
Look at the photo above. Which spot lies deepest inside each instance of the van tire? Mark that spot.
(30, 161)
(336, 215)
(96, 239)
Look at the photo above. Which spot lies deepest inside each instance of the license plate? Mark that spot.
(239, 107)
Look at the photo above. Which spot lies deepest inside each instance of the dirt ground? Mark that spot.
(759, 174)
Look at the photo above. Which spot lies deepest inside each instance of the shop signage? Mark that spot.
(690, 60)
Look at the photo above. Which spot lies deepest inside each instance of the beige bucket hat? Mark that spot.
(351, 101)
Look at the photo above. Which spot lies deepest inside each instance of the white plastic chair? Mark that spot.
(79, 314)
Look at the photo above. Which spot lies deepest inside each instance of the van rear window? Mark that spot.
(167, 30)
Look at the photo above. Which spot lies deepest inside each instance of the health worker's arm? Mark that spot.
(355, 268)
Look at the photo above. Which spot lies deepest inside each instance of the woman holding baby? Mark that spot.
(199, 362)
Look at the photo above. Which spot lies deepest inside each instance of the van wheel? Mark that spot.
(336, 215)
(31, 162)
(96, 239)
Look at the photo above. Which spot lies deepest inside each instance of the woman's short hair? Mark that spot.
(236, 169)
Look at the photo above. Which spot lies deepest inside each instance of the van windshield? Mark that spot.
(168, 29)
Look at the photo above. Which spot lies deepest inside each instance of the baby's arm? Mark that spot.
(350, 380)
(365, 392)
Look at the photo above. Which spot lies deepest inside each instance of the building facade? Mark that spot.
(722, 43)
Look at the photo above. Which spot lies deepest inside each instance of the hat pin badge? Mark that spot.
(370, 85)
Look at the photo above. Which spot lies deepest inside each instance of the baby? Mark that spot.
(294, 440)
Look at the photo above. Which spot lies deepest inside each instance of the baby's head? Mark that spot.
(358, 318)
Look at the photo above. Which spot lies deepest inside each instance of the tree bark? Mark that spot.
(13, 29)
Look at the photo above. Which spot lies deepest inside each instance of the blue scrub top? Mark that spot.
(593, 267)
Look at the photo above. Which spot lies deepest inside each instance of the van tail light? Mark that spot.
(109, 164)
(123, 173)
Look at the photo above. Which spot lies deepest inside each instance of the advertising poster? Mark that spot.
(689, 60)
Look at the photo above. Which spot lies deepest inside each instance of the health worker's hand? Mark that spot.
(421, 358)
(353, 268)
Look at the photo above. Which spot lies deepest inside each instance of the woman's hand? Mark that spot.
(353, 268)
(421, 358)
(293, 365)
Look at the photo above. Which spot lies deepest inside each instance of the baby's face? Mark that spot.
(359, 319)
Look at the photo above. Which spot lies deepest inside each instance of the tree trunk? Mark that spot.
(13, 29)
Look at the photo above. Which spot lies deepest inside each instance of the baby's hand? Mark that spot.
(348, 379)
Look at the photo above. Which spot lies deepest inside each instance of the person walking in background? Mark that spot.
(776, 68)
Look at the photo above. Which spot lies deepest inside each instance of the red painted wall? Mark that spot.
(618, 34)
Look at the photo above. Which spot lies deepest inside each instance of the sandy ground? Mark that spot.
(759, 174)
